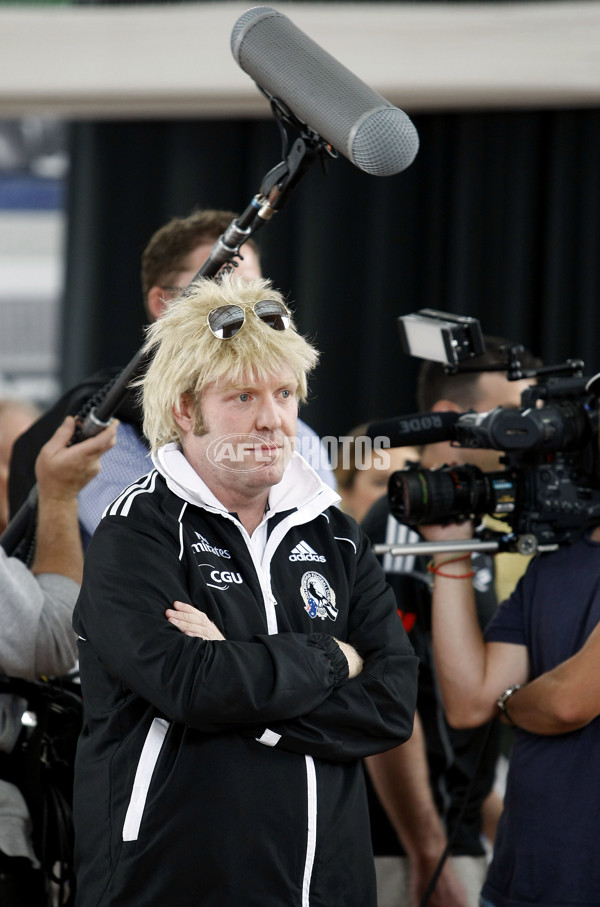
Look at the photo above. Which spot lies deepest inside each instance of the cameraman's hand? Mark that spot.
(437, 532)
(449, 890)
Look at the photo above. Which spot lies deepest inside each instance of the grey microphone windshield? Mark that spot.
(376, 136)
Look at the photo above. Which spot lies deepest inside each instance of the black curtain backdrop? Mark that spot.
(498, 218)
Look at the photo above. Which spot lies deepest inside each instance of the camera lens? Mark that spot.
(448, 494)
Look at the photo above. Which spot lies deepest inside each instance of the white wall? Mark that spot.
(31, 277)
(174, 59)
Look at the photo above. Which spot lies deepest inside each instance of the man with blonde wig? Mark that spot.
(240, 652)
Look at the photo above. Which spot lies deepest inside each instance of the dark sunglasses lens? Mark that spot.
(225, 321)
(273, 313)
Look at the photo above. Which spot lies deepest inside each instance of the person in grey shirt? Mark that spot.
(36, 637)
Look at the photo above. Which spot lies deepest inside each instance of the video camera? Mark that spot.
(549, 491)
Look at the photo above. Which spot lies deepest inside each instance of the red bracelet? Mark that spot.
(453, 560)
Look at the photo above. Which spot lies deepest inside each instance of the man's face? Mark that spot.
(248, 442)
(371, 481)
(158, 296)
(493, 389)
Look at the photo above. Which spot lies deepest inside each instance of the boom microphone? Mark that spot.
(416, 429)
(289, 66)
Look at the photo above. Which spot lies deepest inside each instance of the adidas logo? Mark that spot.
(203, 545)
(303, 552)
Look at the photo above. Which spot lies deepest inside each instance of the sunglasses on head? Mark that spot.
(227, 320)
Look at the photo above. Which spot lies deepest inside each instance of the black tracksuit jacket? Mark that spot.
(229, 772)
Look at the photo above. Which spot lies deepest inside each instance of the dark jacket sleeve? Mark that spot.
(132, 575)
(375, 710)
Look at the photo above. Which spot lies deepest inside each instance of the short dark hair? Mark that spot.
(434, 383)
(165, 254)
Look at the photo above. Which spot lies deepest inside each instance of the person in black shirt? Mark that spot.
(418, 788)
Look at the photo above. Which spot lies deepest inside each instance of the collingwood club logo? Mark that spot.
(318, 596)
(203, 545)
(303, 552)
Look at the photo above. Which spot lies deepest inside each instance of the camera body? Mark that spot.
(549, 490)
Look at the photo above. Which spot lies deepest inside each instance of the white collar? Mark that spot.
(299, 485)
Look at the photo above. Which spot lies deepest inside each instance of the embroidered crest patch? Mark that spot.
(319, 597)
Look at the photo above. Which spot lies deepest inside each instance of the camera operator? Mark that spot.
(420, 785)
(536, 666)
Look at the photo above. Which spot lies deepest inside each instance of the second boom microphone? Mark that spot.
(322, 93)
(415, 429)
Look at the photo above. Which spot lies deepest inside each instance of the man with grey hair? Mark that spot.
(220, 763)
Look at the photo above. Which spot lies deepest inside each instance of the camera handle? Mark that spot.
(524, 544)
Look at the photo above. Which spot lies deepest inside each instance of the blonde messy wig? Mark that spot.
(186, 356)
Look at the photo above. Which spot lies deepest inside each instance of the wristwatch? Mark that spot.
(502, 700)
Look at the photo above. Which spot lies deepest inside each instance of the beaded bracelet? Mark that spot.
(431, 568)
